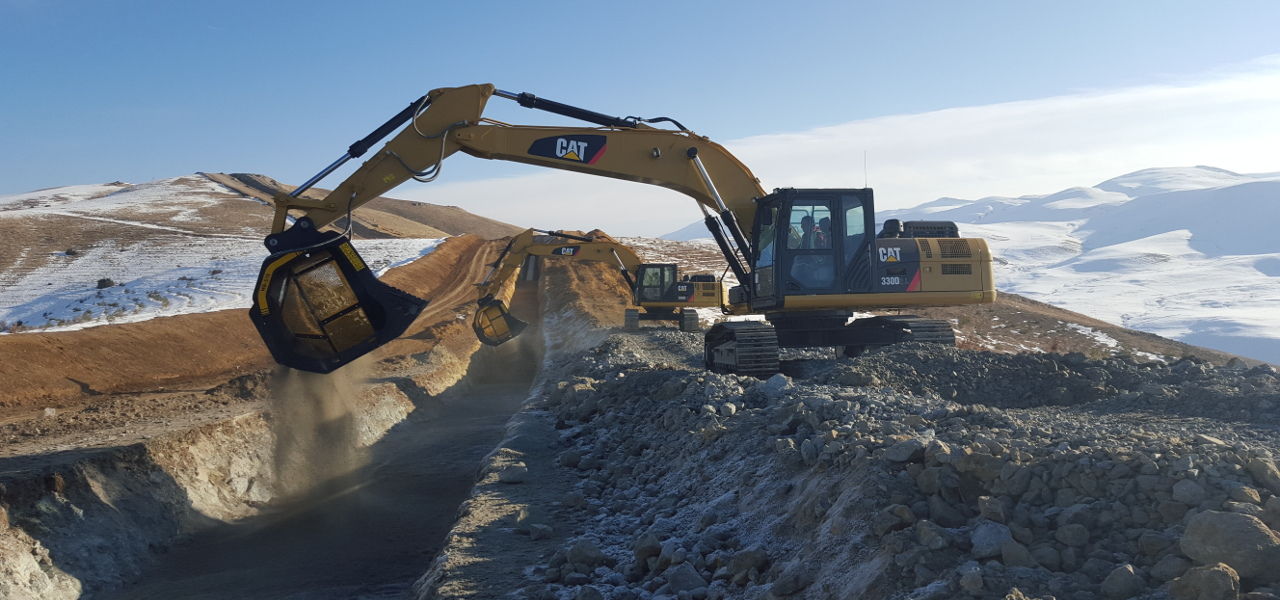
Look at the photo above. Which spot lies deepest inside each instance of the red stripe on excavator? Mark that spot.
(914, 286)
(598, 154)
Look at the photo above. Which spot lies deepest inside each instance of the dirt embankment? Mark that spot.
(53, 369)
(65, 368)
(87, 519)
(1018, 324)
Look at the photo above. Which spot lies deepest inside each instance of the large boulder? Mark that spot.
(1122, 583)
(683, 578)
(1241, 541)
(987, 539)
(1210, 582)
(585, 552)
(1264, 471)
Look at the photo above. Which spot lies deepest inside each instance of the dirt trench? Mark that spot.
(371, 530)
(368, 533)
(103, 522)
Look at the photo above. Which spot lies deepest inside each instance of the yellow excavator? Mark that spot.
(806, 259)
(658, 289)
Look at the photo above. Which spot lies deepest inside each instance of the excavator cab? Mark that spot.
(656, 283)
(318, 306)
(811, 242)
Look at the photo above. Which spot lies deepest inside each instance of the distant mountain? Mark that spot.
(1189, 253)
(696, 230)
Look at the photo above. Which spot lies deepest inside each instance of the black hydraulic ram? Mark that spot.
(727, 219)
(528, 100)
(713, 225)
(357, 149)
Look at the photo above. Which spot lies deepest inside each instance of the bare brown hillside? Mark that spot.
(385, 217)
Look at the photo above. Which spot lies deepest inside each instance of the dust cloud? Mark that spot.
(313, 419)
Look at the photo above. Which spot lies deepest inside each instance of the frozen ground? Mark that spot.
(148, 281)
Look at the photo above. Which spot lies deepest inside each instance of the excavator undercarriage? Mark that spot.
(752, 347)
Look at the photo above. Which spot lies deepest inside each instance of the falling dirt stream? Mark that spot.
(369, 538)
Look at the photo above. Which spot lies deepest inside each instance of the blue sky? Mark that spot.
(135, 91)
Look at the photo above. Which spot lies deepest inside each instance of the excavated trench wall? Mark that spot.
(90, 519)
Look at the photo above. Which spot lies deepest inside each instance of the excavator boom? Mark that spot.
(448, 120)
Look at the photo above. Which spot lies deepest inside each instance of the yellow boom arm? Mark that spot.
(448, 120)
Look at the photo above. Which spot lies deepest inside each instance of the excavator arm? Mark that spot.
(448, 120)
(317, 306)
(492, 322)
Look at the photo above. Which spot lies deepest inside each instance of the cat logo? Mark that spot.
(570, 149)
(565, 251)
(575, 148)
(890, 255)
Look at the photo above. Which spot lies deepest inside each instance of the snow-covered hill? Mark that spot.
(1188, 253)
(79, 256)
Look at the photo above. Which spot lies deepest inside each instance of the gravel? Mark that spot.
(912, 472)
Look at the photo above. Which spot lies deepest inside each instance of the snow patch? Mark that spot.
(140, 283)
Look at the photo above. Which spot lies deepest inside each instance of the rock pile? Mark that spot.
(916, 472)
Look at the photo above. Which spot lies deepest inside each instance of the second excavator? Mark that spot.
(805, 259)
(657, 289)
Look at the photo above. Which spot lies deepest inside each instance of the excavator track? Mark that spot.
(899, 329)
(930, 331)
(742, 347)
(689, 320)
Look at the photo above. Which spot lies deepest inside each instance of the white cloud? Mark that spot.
(1229, 120)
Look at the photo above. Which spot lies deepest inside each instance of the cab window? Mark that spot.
(854, 226)
(809, 235)
(809, 226)
(768, 238)
(655, 281)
